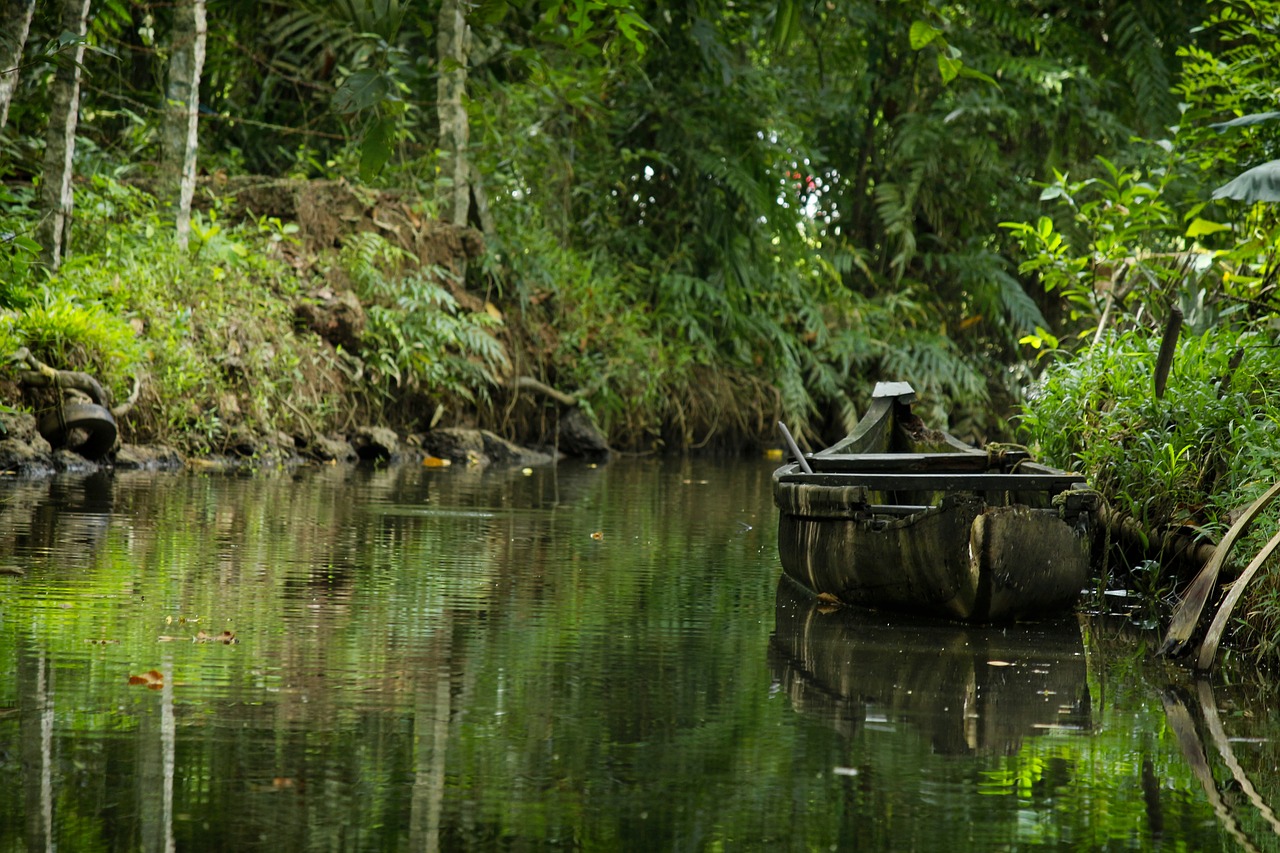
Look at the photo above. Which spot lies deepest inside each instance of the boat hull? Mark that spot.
(903, 517)
(962, 559)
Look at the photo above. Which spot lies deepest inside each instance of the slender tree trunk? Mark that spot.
(15, 22)
(60, 140)
(179, 135)
(452, 43)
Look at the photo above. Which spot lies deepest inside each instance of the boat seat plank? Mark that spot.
(940, 481)
(920, 463)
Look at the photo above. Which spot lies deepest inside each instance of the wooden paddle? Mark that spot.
(1187, 615)
(1209, 647)
(795, 450)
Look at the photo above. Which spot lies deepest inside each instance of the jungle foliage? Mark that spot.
(1192, 228)
(700, 218)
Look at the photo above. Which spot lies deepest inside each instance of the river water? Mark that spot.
(572, 658)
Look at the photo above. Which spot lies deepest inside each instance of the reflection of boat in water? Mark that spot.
(967, 688)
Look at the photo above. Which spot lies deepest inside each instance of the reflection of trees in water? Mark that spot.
(54, 522)
(1244, 813)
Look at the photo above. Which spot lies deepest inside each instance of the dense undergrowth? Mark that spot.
(1193, 458)
(211, 335)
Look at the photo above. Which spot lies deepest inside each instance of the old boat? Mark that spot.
(900, 516)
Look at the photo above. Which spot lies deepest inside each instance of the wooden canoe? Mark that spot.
(903, 517)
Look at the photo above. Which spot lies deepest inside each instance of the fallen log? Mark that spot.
(1176, 543)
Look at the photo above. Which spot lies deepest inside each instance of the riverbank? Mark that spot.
(24, 452)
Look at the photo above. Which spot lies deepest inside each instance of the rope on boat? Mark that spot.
(997, 450)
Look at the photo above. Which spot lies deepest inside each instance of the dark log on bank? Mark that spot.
(576, 433)
(40, 375)
(84, 421)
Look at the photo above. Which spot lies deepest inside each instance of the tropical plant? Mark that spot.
(418, 335)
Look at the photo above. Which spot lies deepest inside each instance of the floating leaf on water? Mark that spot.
(598, 535)
(226, 637)
(435, 462)
(152, 679)
(773, 454)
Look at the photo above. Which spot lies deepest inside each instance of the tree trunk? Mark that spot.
(60, 140)
(179, 134)
(15, 22)
(452, 42)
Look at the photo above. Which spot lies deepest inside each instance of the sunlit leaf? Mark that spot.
(949, 67)
(1245, 121)
(922, 33)
(1199, 227)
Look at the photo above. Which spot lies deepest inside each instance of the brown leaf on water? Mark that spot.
(598, 535)
(152, 679)
(226, 637)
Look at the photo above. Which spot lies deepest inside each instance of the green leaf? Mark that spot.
(26, 244)
(786, 23)
(376, 148)
(1261, 183)
(949, 68)
(1200, 227)
(975, 74)
(1245, 121)
(362, 90)
(922, 34)
(633, 27)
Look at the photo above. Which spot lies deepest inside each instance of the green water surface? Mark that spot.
(572, 658)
